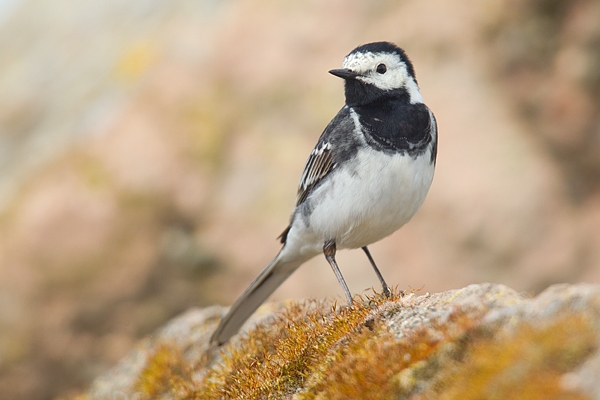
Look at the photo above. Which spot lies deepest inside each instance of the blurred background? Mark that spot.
(150, 153)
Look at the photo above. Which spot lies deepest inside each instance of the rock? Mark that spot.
(482, 341)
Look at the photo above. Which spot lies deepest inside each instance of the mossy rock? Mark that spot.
(481, 342)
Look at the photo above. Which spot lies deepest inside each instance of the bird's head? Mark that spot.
(378, 70)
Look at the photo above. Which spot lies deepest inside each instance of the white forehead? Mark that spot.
(395, 77)
(363, 62)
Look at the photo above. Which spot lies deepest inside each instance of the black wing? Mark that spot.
(434, 138)
(319, 164)
(334, 145)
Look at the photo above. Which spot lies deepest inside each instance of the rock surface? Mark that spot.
(482, 341)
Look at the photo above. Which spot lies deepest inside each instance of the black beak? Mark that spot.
(344, 73)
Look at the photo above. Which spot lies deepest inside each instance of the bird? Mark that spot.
(366, 177)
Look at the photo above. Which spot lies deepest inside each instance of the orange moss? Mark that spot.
(526, 363)
(368, 367)
(275, 359)
(348, 352)
(166, 372)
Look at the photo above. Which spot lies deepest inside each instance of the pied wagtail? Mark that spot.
(367, 176)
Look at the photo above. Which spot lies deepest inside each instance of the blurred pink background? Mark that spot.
(150, 154)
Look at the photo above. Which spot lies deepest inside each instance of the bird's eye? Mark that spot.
(381, 68)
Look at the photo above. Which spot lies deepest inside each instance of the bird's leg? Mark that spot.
(386, 289)
(329, 251)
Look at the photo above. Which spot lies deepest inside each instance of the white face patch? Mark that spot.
(395, 77)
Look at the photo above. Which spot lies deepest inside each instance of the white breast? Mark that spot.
(372, 199)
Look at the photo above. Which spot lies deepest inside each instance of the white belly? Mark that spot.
(363, 204)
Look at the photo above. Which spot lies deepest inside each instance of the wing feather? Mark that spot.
(319, 164)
